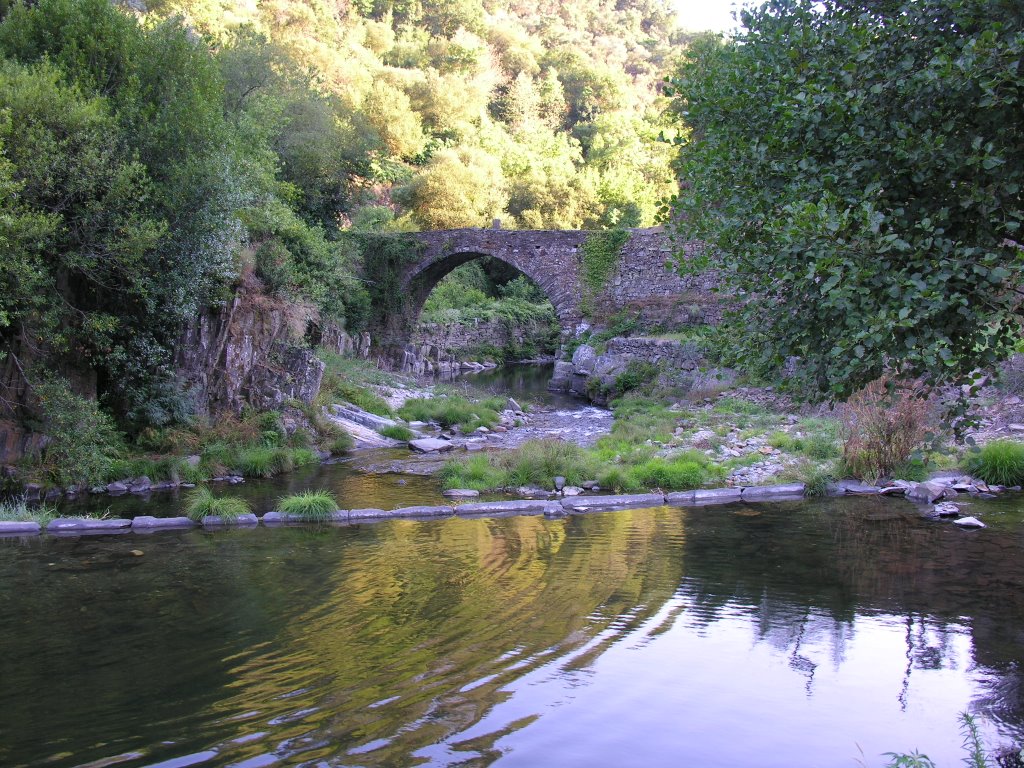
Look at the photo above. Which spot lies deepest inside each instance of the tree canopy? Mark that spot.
(855, 170)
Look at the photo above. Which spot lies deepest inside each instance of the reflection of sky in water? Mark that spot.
(727, 694)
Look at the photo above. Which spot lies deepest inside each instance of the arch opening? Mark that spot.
(480, 309)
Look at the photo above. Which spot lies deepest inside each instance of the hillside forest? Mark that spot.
(153, 155)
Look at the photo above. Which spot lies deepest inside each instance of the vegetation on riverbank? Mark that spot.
(19, 510)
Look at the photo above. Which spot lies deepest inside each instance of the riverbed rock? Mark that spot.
(425, 511)
(147, 522)
(509, 507)
(571, 490)
(140, 484)
(116, 488)
(969, 522)
(928, 491)
(216, 521)
(600, 503)
(762, 492)
(19, 528)
(529, 492)
(561, 377)
(430, 445)
(559, 483)
(513, 406)
(77, 524)
(460, 493)
(946, 509)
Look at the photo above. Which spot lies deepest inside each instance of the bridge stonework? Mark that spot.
(642, 282)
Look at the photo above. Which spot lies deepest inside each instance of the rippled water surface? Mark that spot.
(812, 634)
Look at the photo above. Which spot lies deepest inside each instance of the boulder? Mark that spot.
(928, 491)
(946, 509)
(559, 483)
(561, 377)
(116, 488)
(513, 406)
(969, 522)
(430, 445)
(584, 359)
(571, 490)
(140, 484)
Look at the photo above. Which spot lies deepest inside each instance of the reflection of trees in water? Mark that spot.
(803, 578)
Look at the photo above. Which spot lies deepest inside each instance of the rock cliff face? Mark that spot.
(248, 352)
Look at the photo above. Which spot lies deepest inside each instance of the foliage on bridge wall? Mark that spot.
(601, 252)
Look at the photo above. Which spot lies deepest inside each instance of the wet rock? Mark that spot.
(366, 514)
(216, 521)
(68, 524)
(559, 483)
(430, 445)
(460, 493)
(116, 488)
(853, 487)
(571, 490)
(589, 485)
(22, 528)
(773, 491)
(439, 511)
(530, 492)
(928, 491)
(969, 522)
(140, 484)
(716, 495)
(946, 509)
(629, 501)
(518, 506)
(147, 522)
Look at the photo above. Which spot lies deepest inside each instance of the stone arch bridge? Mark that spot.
(642, 282)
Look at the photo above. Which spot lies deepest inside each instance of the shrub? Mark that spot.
(882, 426)
(309, 505)
(202, 503)
(82, 437)
(302, 457)
(1000, 462)
(820, 445)
(398, 432)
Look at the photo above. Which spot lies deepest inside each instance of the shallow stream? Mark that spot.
(818, 633)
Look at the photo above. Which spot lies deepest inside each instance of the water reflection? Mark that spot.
(794, 636)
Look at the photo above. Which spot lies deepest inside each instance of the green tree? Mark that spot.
(854, 169)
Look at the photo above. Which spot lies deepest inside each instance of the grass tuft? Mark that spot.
(398, 432)
(20, 511)
(309, 505)
(202, 503)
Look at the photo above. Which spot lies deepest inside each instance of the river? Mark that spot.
(816, 633)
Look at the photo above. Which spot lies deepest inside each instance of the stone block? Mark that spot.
(520, 506)
(216, 521)
(68, 524)
(148, 523)
(626, 501)
(767, 492)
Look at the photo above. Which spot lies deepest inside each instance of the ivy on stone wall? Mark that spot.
(601, 252)
(384, 257)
